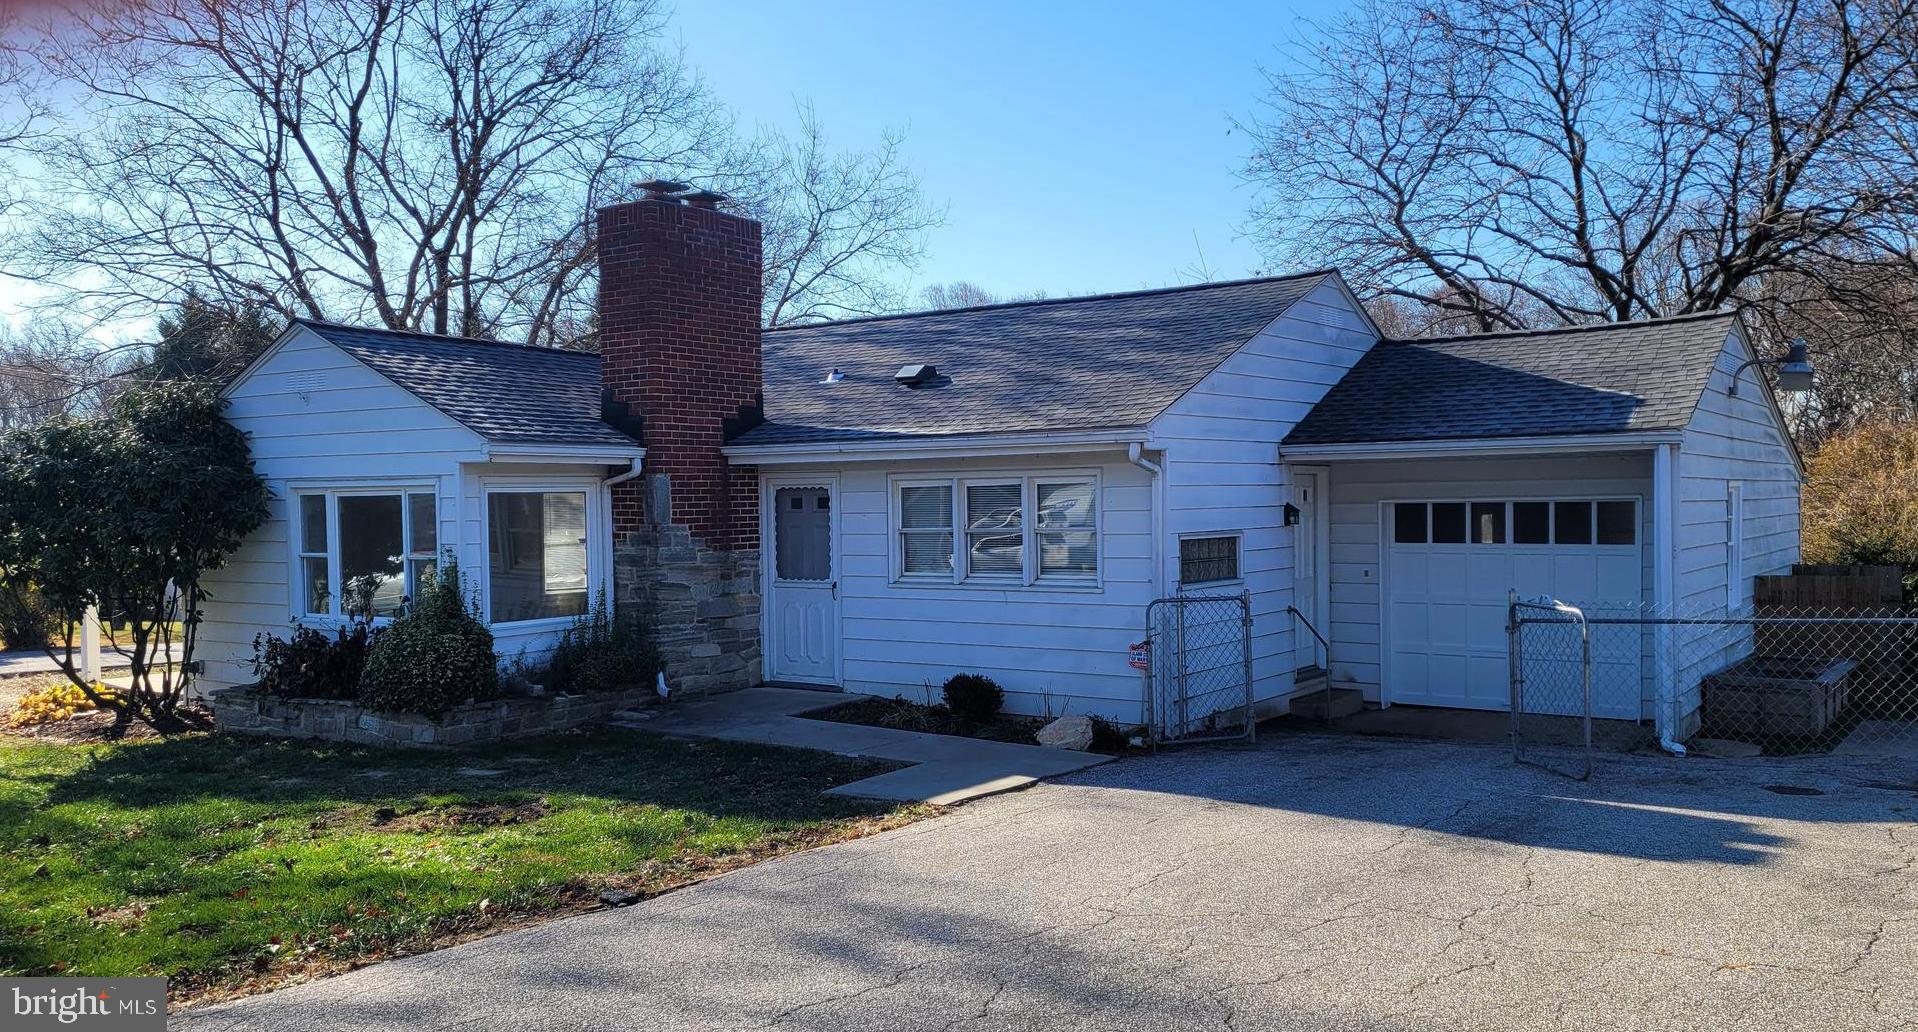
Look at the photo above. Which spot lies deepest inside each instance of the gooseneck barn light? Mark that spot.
(1794, 369)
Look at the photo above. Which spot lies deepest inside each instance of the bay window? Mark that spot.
(1042, 528)
(363, 550)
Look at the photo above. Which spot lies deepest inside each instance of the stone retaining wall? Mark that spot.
(246, 711)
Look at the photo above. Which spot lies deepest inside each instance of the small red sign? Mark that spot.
(1139, 655)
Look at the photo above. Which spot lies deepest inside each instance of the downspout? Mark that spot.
(620, 478)
(1665, 584)
(606, 488)
(1135, 454)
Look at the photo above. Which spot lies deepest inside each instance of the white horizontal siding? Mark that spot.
(1054, 650)
(1729, 440)
(315, 416)
(1222, 468)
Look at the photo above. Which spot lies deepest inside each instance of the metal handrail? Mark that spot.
(1299, 618)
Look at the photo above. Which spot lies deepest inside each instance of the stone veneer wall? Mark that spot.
(703, 603)
(246, 711)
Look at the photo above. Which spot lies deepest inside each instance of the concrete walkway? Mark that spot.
(946, 769)
(33, 664)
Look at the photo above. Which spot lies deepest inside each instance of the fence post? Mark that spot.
(1178, 609)
(1245, 650)
(1152, 643)
(90, 645)
(1512, 662)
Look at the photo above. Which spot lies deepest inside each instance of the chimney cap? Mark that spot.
(661, 189)
(703, 198)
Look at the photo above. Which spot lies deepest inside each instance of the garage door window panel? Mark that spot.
(1572, 523)
(1408, 523)
(1531, 523)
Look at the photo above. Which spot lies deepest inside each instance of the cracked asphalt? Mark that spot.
(1313, 883)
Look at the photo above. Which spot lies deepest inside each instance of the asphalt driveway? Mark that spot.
(1318, 882)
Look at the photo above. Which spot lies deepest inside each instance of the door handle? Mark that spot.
(835, 591)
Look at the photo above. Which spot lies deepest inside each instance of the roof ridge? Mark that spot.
(446, 337)
(1576, 328)
(1037, 302)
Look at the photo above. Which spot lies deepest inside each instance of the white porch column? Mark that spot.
(1665, 591)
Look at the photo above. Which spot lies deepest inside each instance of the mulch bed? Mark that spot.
(903, 715)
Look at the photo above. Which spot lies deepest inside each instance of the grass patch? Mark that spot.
(230, 864)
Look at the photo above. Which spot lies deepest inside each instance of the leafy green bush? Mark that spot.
(128, 509)
(603, 652)
(435, 657)
(26, 621)
(974, 697)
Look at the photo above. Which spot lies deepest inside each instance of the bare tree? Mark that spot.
(48, 368)
(840, 227)
(967, 294)
(427, 164)
(957, 294)
(1575, 160)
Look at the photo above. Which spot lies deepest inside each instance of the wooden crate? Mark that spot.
(1777, 696)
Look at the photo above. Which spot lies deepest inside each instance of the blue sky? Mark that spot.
(1077, 147)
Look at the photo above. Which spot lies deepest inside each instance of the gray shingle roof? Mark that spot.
(1605, 378)
(1110, 361)
(506, 393)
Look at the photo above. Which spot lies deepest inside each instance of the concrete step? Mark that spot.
(1312, 705)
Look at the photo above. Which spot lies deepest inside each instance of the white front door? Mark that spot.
(1308, 566)
(802, 622)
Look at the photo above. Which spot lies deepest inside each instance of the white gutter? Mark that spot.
(968, 445)
(1478, 446)
(1665, 584)
(620, 478)
(593, 453)
(1135, 454)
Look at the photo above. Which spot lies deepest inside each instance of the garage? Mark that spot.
(1450, 564)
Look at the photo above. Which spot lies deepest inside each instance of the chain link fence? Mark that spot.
(1771, 681)
(1199, 669)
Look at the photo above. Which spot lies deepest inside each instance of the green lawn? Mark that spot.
(229, 864)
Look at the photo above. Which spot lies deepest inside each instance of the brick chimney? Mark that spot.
(679, 293)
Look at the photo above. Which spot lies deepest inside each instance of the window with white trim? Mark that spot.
(362, 549)
(1041, 528)
(536, 552)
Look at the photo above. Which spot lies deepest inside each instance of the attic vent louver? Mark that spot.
(915, 375)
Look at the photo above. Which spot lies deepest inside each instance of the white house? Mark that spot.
(875, 504)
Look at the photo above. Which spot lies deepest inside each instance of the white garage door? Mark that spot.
(1451, 566)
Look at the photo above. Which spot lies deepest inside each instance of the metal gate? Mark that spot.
(1198, 676)
(1551, 684)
